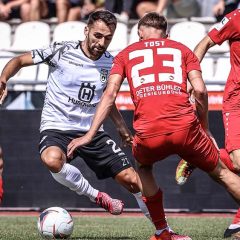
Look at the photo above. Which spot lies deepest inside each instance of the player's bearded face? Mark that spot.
(98, 38)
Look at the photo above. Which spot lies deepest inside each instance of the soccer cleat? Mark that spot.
(233, 231)
(183, 172)
(175, 236)
(165, 235)
(114, 206)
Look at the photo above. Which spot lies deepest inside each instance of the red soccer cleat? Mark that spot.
(165, 235)
(176, 236)
(114, 206)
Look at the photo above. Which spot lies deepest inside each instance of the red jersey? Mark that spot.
(156, 70)
(229, 29)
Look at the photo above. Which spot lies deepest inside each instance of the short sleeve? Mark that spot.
(192, 62)
(226, 29)
(49, 54)
(118, 66)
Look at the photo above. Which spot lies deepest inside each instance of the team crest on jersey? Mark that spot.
(103, 75)
(86, 92)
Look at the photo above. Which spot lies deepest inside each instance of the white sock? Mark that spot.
(158, 232)
(71, 177)
(142, 205)
(145, 211)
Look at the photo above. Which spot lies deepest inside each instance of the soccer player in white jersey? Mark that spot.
(77, 79)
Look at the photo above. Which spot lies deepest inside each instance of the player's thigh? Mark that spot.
(53, 148)
(199, 150)
(150, 150)
(104, 156)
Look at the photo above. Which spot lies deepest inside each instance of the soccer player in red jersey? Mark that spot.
(228, 29)
(1, 171)
(157, 70)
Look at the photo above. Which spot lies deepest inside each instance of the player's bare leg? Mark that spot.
(129, 179)
(235, 159)
(231, 182)
(228, 179)
(185, 169)
(68, 175)
(234, 228)
(232, 162)
(153, 199)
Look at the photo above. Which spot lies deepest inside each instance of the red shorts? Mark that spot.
(232, 130)
(191, 144)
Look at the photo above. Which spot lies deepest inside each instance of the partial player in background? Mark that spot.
(1, 172)
(227, 30)
(157, 70)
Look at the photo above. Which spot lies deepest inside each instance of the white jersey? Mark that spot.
(74, 88)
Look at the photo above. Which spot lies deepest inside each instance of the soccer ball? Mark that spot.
(55, 223)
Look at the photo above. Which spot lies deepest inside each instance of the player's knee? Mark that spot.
(220, 172)
(129, 179)
(236, 165)
(52, 160)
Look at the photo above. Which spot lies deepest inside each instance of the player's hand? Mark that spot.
(3, 92)
(127, 140)
(77, 142)
(126, 136)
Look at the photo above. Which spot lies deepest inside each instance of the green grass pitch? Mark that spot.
(116, 228)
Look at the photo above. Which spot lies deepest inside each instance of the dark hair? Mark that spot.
(154, 20)
(104, 15)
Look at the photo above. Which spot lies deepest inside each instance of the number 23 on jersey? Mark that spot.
(156, 65)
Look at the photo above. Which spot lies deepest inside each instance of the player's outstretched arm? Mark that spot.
(202, 47)
(201, 97)
(11, 68)
(201, 101)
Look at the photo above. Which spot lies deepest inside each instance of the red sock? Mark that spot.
(237, 217)
(224, 156)
(1, 189)
(156, 210)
